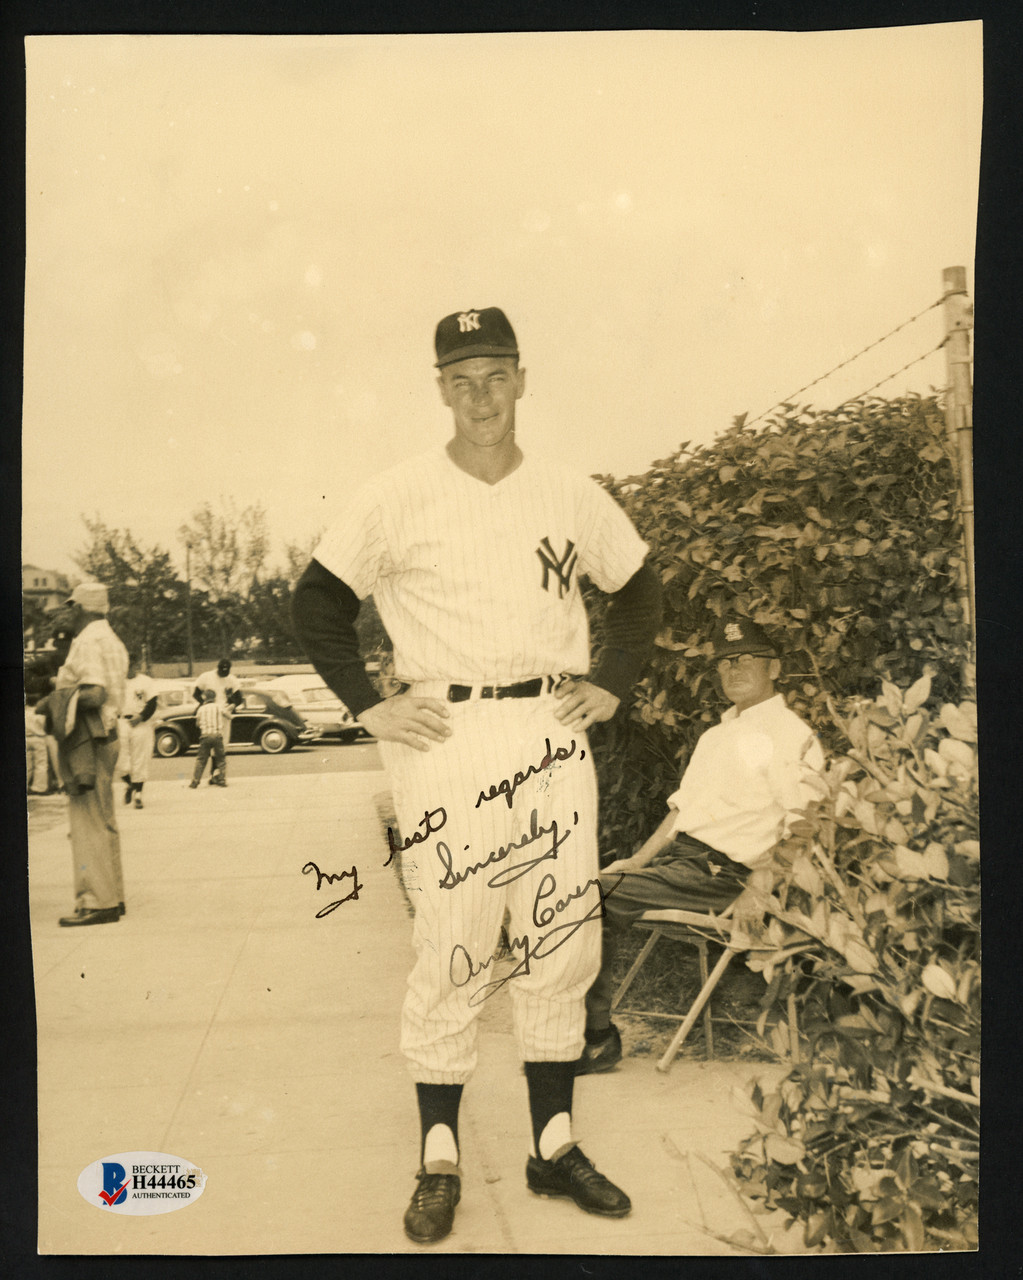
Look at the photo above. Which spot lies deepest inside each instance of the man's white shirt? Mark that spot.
(746, 778)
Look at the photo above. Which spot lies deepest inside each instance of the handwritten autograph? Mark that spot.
(417, 837)
(508, 788)
(462, 968)
(451, 879)
(325, 877)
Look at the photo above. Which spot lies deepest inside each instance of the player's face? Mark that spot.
(747, 679)
(481, 394)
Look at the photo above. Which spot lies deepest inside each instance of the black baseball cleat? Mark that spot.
(574, 1176)
(605, 1055)
(431, 1212)
(91, 915)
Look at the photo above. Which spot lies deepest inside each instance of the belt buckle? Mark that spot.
(488, 691)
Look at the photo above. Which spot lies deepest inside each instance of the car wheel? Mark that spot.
(273, 740)
(167, 744)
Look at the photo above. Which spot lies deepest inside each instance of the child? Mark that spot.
(210, 719)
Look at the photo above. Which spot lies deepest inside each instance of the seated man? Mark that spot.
(746, 778)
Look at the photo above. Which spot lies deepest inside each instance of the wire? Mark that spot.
(876, 343)
(917, 360)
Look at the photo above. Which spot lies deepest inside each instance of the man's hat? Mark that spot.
(468, 334)
(740, 635)
(92, 596)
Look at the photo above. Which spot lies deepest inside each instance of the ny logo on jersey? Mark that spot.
(468, 321)
(563, 567)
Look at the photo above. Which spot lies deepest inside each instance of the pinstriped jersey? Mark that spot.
(477, 582)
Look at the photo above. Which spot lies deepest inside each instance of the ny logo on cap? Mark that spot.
(468, 321)
(733, 631)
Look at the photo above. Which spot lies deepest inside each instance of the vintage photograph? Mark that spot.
(500, 642)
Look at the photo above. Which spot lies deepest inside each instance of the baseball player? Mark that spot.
(226, 689)
(473, 554)
(136, 731)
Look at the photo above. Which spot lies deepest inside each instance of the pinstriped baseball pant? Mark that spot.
(474, 862)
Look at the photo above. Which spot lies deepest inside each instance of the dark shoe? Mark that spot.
(193, 784)
(120, 908)
(127, 794)
(220, 782)
(603, 1056)
(431, 1211)
(574, 1176)
(91, 915)
(138, 802)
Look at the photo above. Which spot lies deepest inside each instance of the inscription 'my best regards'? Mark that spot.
(434, 820)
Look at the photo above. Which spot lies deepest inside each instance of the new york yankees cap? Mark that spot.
(468, 334)
(740, 635)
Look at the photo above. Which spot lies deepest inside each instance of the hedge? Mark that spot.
(837, 531)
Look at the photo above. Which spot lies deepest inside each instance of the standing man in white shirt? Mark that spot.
(94, 675)
(746, 779)
(136, 729)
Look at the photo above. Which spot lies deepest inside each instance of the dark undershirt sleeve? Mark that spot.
(633, 619)
(147, 710)
(324, 609)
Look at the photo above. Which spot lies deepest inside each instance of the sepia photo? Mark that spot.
(500, 639)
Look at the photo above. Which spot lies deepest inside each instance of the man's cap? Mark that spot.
(740, 635)
(92, 596)
(468, 334)
(208, 695)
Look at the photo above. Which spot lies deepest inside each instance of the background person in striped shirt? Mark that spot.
(210, 719)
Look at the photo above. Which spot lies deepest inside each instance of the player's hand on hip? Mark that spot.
(583, 704)
(409, 719)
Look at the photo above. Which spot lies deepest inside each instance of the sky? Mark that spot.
(238, 249)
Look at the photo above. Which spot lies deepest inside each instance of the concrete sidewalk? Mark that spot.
(220, 1021)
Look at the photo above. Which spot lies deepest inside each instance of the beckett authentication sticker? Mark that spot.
(141, 1182)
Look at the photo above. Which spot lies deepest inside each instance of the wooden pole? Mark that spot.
(188, 602)
(959, 419)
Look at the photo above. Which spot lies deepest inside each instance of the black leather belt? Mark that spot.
(524, 689)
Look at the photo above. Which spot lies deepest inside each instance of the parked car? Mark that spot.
(319, 706)
(172, 695)
(266, 719)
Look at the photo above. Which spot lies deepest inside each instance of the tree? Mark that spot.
(146, 595)
(227, 552)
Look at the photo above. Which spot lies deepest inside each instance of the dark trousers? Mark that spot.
(215, 744)
(689, 876)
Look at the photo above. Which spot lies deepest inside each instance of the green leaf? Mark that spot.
(892, 697)
(784, 1150)
(911, 1224)
(959, 724)
(861, 959)
(916, 695)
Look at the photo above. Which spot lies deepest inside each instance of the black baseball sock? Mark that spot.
(550, 1094)
(438, 1104)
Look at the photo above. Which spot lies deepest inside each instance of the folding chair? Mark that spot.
(697, 929)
